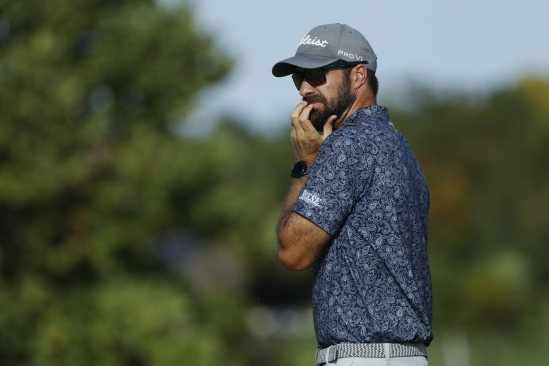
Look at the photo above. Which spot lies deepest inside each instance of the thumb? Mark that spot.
(329, 126)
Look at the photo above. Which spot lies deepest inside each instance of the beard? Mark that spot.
(337, 105)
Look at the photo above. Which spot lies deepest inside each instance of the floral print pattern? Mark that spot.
(372, 282)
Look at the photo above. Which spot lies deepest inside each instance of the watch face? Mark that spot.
(299, 169)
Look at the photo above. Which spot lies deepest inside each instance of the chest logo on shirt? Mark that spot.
(310, 198)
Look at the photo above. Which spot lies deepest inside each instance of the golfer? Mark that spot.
(357, 210)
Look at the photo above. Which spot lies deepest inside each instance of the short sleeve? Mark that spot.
(334, 184)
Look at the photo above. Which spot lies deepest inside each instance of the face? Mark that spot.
(325, 102)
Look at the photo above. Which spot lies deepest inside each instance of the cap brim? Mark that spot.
(288, 66)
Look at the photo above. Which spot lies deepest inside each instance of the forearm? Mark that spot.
(287, 208)
(300, 241)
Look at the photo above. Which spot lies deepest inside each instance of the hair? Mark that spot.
(371, 79)
(372, 82)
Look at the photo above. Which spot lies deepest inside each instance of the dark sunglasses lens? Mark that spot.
(315, 76)
(298, 80)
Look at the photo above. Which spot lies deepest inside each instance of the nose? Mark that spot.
(306, 89)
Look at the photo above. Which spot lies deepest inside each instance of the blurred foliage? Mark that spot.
(122, 243)
(485, 161)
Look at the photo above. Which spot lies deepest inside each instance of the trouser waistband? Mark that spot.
(369, 350)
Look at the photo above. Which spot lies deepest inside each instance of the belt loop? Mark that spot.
(387, 353)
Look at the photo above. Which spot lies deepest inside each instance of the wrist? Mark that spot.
(309, 160)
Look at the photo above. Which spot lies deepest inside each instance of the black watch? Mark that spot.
(299, 169)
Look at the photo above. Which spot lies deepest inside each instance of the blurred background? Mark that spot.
(144, 158)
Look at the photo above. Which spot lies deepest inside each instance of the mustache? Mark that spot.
(314, 98)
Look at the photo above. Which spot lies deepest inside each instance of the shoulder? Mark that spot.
(347, 148)
(342, 148)
(349, 139)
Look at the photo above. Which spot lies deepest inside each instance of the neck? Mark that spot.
(358, 104)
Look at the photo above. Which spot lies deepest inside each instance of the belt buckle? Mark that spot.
(331, 354)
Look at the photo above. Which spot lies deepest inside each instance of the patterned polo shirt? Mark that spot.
(372, 282)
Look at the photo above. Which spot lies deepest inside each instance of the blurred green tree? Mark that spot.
(90, 174)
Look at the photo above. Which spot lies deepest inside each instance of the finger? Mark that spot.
(304, 119)
(293, 139)
(329, 126)
(296, 113)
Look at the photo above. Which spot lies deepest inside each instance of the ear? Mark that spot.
(358, 76)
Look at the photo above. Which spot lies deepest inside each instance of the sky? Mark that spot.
(466, 45)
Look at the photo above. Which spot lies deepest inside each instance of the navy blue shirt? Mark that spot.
(372, 282)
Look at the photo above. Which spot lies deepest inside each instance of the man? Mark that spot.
(357, 209)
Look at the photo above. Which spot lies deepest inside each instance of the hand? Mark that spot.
(305, 138)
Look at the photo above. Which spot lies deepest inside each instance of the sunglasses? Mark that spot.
(316, 77)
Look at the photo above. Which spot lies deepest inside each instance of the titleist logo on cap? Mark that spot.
(315, 41)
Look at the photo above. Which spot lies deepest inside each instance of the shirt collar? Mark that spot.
(371, 112)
